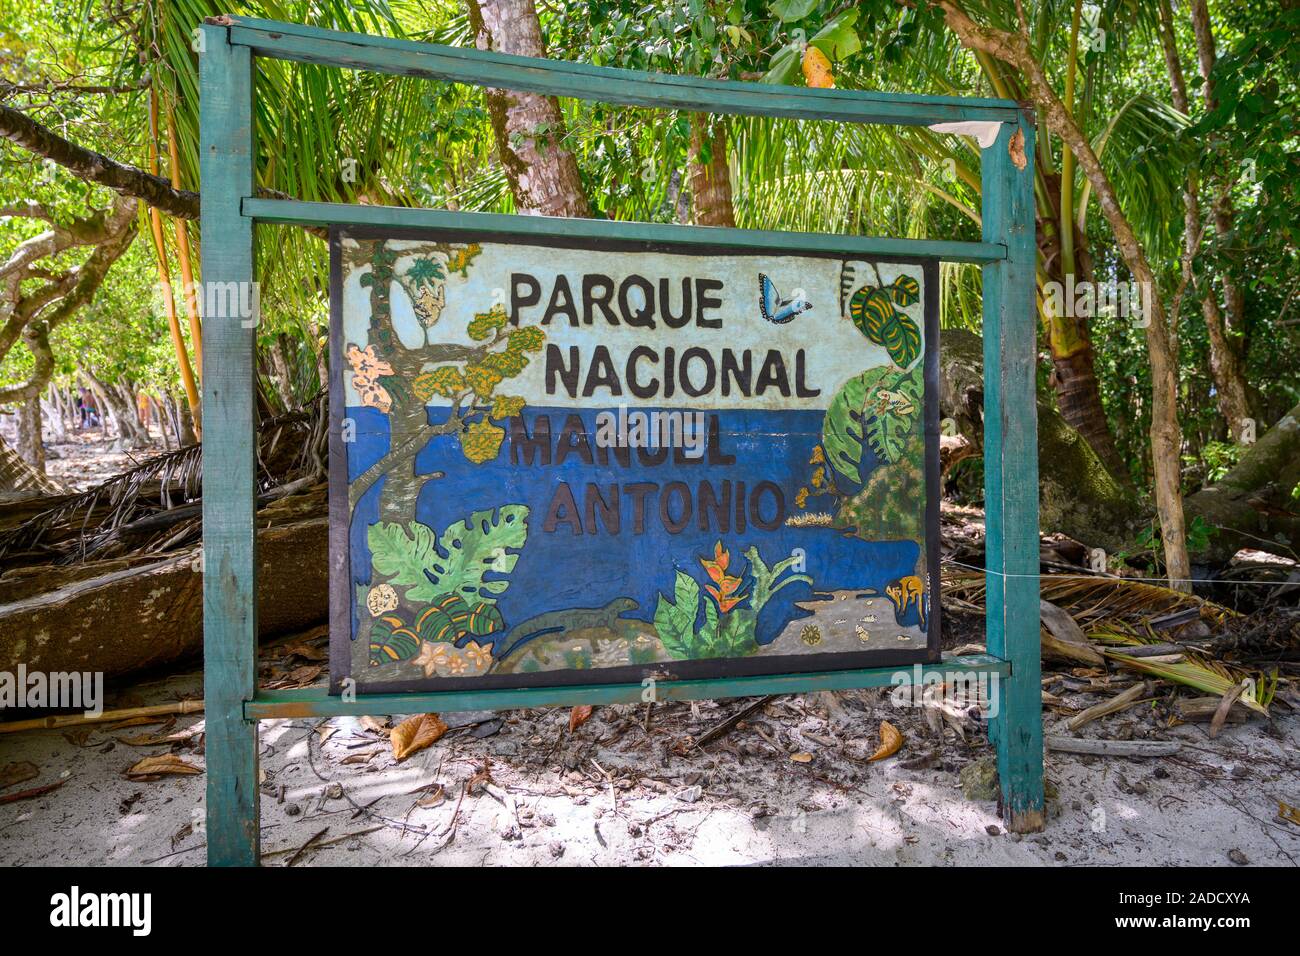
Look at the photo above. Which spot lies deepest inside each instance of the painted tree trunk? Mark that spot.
(710, 173)
(529, 127)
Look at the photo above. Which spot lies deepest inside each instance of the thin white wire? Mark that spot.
(1113, 577)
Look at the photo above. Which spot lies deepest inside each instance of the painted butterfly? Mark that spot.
(776, 309)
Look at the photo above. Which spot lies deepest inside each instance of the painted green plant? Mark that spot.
(729, 629)
(880, 408)
(430, 566)
(877, 311)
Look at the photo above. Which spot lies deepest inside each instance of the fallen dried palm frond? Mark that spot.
(1209, 676)
(1092, 600)
(155, 506)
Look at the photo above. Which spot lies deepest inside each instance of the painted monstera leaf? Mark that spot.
(842, 429)
(876, 313)
(879, 408)
(457, 560)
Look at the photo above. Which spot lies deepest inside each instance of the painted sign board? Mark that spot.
(556, 461)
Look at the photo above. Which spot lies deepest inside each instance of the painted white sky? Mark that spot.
(835, 350)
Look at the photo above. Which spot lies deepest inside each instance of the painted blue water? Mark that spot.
(561, 569)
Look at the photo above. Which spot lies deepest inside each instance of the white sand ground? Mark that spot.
(615, 794)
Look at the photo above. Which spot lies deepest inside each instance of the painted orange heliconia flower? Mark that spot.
(727, 585)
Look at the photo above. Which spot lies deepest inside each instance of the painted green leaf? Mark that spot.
(893, 408)
(765, 578)
(842, 430)
(400, 556)
(463, 554)
(434, 624)
(391, 640)
(737, 637)
(873, 312)
(675, 620)
(905, 291)
(425, 271)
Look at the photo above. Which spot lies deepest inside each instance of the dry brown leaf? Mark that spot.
(160, 765)
(891, 741)
(18, 772)
(359, 757)
(378, 724)
(579, 716)
(415, 733)
(801, 757)
(817, 69)
(432, 799)
(307, 652)
(140, 721)
(1288, 813)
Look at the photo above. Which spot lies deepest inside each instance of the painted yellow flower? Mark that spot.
(801, 498)
(432, 657)
(456, 665)
(480, 657)
(818, 456)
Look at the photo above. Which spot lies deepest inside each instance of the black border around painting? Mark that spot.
(340, 626)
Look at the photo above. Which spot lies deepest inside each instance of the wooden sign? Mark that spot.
(562, 464)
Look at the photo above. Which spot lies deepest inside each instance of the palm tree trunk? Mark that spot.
(710, 173)
(529, 128)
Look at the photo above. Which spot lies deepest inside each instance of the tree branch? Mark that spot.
(96, 167)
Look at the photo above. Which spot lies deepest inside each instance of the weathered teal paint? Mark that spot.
(229, 209)
(229, 450)
(1011, 471)
(317, 702)
(605, 84)
(508, 226)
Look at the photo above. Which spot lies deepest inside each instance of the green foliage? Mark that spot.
(454, 562)
(842, 429)
(767, 581)
(1217, 458)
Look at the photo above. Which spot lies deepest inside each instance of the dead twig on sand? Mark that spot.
(1113, 748)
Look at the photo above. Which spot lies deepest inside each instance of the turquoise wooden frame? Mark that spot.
(230, 208)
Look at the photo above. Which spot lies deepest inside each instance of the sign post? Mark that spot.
(579, 462)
